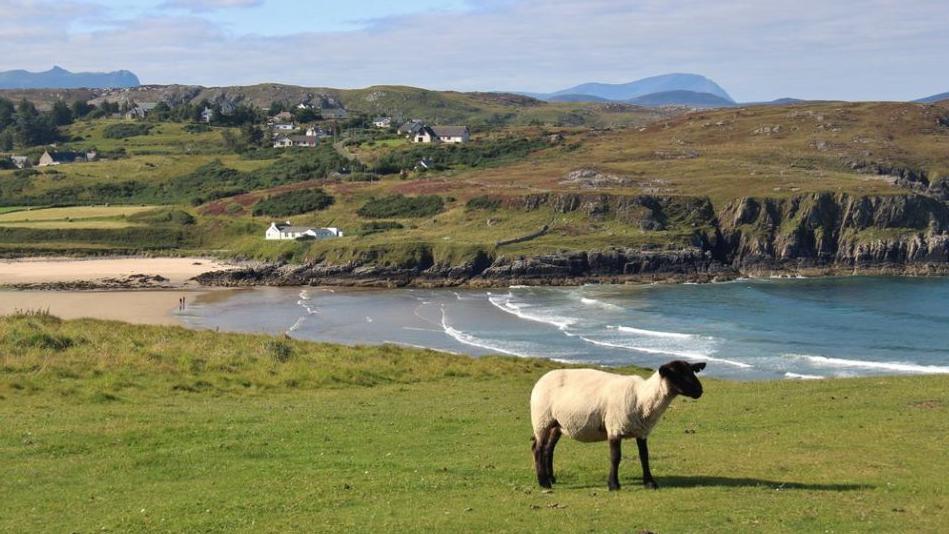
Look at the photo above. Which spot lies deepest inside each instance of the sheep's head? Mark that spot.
(681, 376)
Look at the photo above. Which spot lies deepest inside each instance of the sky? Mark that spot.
(756, 49)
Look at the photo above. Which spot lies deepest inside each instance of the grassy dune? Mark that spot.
(110, 427)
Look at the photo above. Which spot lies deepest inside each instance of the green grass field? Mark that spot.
(118, 428)
(75, 213)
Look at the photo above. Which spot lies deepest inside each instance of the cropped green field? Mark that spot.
(111, 427)
(73, 213)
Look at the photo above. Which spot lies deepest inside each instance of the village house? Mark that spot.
(58, 158)
(451, 134)
(441, 134)
(410, 128)
(21, 162)
(284, 126)
(284, 231)
(382, 122)
(425, 134)
(140, 111)
(207, 115)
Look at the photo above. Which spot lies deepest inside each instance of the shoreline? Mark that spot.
(134, 306)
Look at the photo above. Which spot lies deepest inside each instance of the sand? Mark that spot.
(44, 270)
(143, 306)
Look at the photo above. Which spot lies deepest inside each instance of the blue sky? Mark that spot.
(756, 49)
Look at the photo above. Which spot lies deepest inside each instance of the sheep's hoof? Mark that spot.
(614, 486)
(650, 484)
(545, 484)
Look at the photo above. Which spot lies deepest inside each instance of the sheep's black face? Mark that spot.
(681, 375)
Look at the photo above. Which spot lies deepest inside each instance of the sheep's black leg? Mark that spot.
(648, 481)
(616, 452)
(540, 461)
(552, 438)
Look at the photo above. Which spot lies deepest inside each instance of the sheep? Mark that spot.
(591, 405)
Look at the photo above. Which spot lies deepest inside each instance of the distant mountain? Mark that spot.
(576, 98)
(935, 98)
(681, 98)
(60, 78)
(656, 84)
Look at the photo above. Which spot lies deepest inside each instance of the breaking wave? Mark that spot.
(902, 367)
(651, 333)
(682, 354)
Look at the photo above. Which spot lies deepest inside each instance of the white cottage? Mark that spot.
(283, 231)
(451, 134)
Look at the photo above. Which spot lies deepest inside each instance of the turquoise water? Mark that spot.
(772, 329)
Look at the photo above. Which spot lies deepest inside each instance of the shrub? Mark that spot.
(484, 202)
(171, 216)
(126, 129)
(197, 128)
(374, 227)
(402, 206)
(294, 203)
(280, 350)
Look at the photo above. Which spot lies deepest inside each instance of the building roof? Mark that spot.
(289, 228)
(412, 126)
(64, 157)
(450, 131)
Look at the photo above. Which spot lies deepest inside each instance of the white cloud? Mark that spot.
(198, 6)
(873, 49)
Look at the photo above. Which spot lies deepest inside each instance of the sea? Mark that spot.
(791, 329)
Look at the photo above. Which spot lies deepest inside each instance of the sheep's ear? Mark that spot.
(665, 371)
(696, 367)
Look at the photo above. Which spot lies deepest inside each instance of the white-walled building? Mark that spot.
(382, 122)
(441, 134)
(284, 231)
(451, 134)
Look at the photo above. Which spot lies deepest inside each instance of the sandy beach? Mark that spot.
(142, 306)
(48, 270)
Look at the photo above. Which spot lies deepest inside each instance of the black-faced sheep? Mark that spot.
(590, 405)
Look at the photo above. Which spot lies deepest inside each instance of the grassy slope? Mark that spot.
(155, 428)
(722, 154)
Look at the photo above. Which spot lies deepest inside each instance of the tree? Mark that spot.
(305, 115)
(81, 108)
(276, 107)
(6, 139)
(252, 135)
(61, 115)
(7, 112)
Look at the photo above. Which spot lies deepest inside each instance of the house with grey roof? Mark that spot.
(286, 231)
(451, 134)
(441, 134)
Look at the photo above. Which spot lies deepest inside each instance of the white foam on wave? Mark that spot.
(902, 367)
(303, 302)
(503, 303)
(600, 304)
(299, 322)
(650, 333)
(682, 354)
(473, 341)
(799, 376)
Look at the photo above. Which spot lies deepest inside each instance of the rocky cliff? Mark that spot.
(807, 234)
